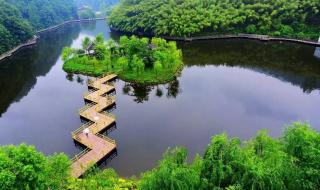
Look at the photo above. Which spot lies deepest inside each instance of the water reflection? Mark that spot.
(19, 74)
(317, 53)
(288, 62)
(141, 93)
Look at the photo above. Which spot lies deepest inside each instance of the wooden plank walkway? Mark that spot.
(98, 145)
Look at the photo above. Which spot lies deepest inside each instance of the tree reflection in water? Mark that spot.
(69, 77)
(142, 92)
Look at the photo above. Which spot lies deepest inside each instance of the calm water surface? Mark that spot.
(237, 87)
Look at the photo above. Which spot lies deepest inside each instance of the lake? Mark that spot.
(236, 87)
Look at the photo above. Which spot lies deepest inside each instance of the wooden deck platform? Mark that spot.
(98, 145)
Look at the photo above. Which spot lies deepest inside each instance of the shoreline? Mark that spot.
(35, 38)
(68, 22)
(16, 49)
(259, 37)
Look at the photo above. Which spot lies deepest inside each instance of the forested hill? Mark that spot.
(292, 18)
(96, 4)
(19, 19)
(44, 13)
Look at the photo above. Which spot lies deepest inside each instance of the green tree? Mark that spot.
(157, 67)
(173, 173)
(85, 43)
(22, 167)
(67, 53)
(100, 51)
(99, 39)
(123, 62)
(303, 145)
(86, 13)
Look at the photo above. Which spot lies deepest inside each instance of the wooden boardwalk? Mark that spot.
(98, 145)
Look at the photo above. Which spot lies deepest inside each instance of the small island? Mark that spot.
(133, 59)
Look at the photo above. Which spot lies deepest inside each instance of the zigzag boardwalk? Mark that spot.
(98, 145)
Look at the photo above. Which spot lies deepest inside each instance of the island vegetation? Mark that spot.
(285, 18)
(261, 163)
(137, 60)
(20, 19)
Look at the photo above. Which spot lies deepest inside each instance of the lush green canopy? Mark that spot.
(44, 13)
(262, 163)
(13, 28)
(19, 19)
(95, 4)
(86, 13)
(294, 18)
(22, 167)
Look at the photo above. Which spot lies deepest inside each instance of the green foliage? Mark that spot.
(133, 59)
(86, 13)
(22, 167)
(67, 53)
(158, 67)
(200, 17)
(96, 4)
(43, 13)
(19, 19)
(262, 163)
(85, 43)
(303, 145)
(101, 180)
(173, 173)
(99, 39)
(13, 28)
(100, 51)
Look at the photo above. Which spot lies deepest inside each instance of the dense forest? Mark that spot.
(292, 18)
(19, 19)
(96, 4)
(261, 163)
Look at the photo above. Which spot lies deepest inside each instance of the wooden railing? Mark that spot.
(109, 115)
(82, 153)
(86, 107)
(110, 84)
(90, 82)
(106, 138)
(79, 130)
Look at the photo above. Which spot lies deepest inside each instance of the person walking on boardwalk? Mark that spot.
(86, 131)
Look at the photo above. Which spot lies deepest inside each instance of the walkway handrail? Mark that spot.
(110, 84)
(78, 156)
(106, 138)
(79, 130)
(81, 110)
(109, 115)
(90, 82)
